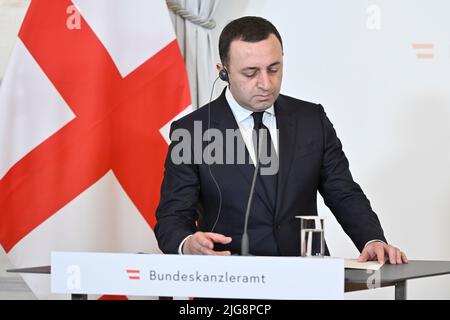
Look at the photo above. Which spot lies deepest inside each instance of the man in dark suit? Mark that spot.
(203, 204)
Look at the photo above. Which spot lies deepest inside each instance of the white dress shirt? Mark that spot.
(246, 124)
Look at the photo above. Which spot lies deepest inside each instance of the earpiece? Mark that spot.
(223, 75)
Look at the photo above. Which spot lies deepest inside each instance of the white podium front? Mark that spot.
(286, 278)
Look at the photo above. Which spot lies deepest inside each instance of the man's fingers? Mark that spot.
(197, 243)
(364, 256)
(399, 256)
(203, 243)
(404, 258)
(392, 254)
(218, 238)
(222, 253)
(207, 243)
(381, 251)
(197, 247)
(380, 254)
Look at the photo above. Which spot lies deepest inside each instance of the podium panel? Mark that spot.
(234, 277)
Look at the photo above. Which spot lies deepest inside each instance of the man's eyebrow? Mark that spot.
(275, 64)
(250, 69)
(256, 68)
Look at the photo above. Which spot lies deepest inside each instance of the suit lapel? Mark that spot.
(222, 118)
(287, 128)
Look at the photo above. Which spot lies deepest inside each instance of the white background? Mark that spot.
(390, 109)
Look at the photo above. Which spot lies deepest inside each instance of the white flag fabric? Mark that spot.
(85, 107)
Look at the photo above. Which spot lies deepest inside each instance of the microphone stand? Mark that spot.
(245, 245)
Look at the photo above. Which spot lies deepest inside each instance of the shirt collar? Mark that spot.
(240, 113)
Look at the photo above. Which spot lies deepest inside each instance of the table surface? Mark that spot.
(389, 273)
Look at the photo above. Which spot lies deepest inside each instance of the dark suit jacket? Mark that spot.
(311, 160)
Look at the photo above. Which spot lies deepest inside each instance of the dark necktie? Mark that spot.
(263, 146)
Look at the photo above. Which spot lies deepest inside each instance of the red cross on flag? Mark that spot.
(85, 107)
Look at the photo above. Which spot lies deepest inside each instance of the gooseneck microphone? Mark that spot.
(245, 244)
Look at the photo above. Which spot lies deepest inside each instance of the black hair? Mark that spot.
(248, 29)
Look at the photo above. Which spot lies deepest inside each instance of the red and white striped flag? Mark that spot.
(85, 108)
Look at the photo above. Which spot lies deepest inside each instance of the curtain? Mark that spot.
(193, 22)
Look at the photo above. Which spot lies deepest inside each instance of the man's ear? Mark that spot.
(219, 66)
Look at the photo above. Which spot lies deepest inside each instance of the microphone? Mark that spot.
(245, 245)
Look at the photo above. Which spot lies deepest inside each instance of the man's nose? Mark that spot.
(264, 81)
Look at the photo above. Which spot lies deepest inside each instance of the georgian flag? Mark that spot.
(85, 109)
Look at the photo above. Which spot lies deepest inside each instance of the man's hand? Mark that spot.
(203, 243)
(378, 250)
